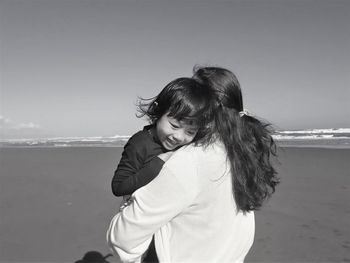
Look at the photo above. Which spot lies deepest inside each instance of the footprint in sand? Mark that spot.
(337, 232)
(305, 226)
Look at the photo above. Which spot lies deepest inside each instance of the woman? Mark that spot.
(200, 207)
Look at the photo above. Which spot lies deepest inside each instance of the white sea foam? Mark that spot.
(316, 131)
(308, 137)
(314, 134)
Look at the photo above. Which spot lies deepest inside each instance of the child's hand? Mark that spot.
(165, 156)
(127, 200)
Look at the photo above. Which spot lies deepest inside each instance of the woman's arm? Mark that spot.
(154, 205)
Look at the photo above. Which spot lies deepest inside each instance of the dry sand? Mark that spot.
(307, 219)
(56, 204)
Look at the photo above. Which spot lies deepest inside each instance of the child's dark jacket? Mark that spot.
(139, 163)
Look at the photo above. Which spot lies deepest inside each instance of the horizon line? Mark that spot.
(276, 132)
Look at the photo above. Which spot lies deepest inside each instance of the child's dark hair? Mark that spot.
(247, 140)
(183, 99)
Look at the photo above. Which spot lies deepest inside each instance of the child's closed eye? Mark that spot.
(191, 133)
(174, 125)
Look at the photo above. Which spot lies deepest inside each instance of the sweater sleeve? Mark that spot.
(154, 205)
(125, 183)
(129, 164)
(138, 165)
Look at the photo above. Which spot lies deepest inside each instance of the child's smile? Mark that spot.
(173, 133)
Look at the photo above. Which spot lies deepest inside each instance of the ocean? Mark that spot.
(327, 138)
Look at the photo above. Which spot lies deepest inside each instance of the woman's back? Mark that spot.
(190, 208)
(208, 229)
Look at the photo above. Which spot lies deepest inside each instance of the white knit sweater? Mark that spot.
(190, 208)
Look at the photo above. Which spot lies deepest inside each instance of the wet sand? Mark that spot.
(56, 204)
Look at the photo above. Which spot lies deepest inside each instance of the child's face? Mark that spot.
(173, 133)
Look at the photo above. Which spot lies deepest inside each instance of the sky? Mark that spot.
(76, 67)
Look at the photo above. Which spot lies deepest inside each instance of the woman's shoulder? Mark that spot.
(189, 158)
(186, 153)
(199, 159)
(199, 152)
(183, 166)
(194, 166)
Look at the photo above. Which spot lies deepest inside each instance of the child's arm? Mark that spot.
(125, 181)
(136, 167)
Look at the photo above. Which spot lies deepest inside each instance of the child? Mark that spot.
(178, 116)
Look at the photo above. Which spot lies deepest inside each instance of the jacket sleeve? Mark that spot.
(126, 185)
(153, 205)
(132, 172)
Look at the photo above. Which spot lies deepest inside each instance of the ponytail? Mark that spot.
(249, 146)
(247, 140)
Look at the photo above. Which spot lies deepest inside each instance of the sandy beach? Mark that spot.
(56, 204)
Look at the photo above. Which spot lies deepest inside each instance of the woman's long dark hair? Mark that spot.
(247, 140)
